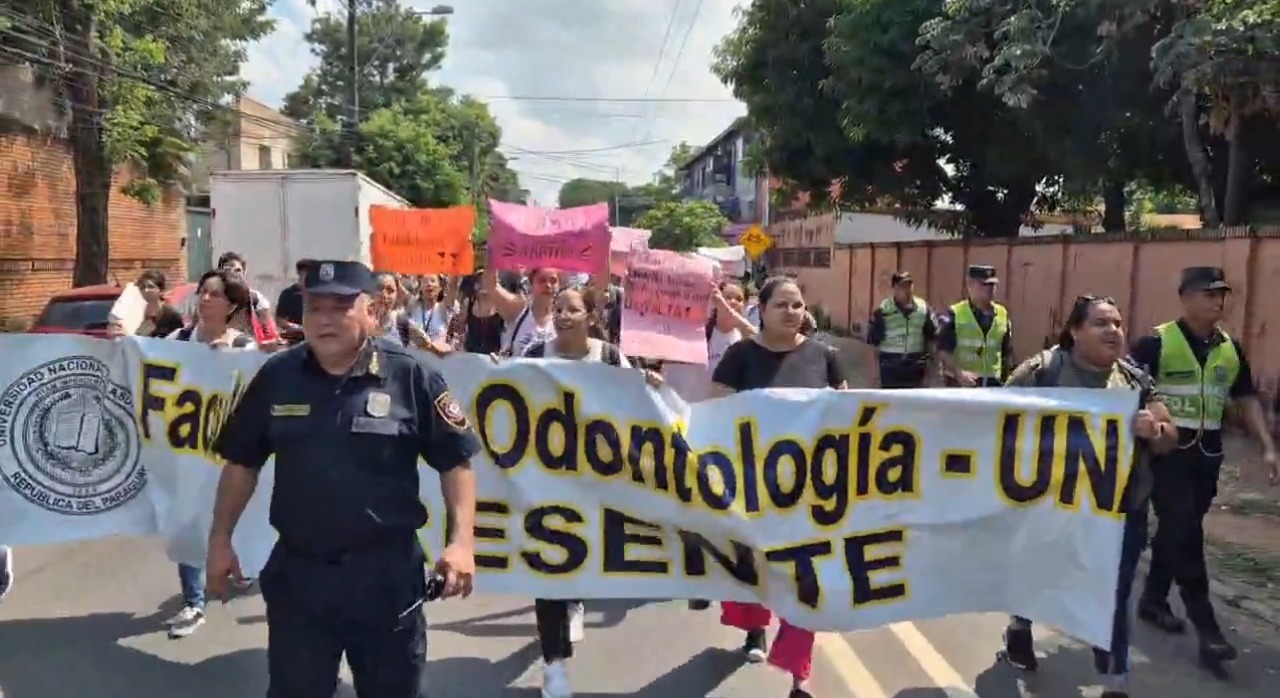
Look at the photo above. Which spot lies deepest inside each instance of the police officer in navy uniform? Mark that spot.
(1197, 368)
(975, 336)
(346, 416)
(901, 329)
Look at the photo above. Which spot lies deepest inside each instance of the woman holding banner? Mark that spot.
(434, 307)
(528, 322)
(580, 336)
(779, 356)
(1090, 354)
(222, 297)
(728, 324)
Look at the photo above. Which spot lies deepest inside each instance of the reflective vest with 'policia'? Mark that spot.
(977, 352)
(1196, 396)
(903, 334)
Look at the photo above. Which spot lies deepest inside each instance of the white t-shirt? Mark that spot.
(434, 322)
(525, 332)
(246, 344)
(595, 352)
(692, 382)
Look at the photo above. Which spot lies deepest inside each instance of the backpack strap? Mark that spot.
(184, 334)
(402, 328)
(1050, 371)
(515, 331)
(536, 351)
(610, 354)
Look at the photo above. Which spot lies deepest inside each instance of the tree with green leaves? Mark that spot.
(139, 81)
(683, 226)
(628, 203)
(396, 48)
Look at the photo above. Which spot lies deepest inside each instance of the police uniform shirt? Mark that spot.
(947, 333)
(346, 447)
(1146, 354)
(876, 328)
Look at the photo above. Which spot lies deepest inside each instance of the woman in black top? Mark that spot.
(482, 324)
(779, 356)
(161, 319)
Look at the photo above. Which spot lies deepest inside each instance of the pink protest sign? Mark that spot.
(570, 239)
(666, 301)
(624, 240)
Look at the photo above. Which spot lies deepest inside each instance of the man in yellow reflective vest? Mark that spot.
(1197, 369)
(975, 337)
(901, 330)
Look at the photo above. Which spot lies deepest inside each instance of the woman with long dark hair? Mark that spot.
(580, 336)
(779, 356)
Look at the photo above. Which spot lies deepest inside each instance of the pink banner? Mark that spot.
(570, 239)
(624, 240)
(667, 300)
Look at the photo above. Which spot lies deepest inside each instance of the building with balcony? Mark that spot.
(258, 138)
(717, 172)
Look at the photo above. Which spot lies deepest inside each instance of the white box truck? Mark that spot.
(277, 217)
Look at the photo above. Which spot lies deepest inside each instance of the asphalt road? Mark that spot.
(85, 620)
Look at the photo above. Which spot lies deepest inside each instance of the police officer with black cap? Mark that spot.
(901, 330)
(346, 416)
(1197, 368)
(975, 337)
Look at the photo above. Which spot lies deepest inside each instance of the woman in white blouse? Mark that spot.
(434, 307)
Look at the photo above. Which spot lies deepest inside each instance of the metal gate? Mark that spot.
(199, 242)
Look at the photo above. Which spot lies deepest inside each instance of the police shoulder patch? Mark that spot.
(450, 411)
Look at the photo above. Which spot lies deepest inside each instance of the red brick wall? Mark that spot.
(38, 220)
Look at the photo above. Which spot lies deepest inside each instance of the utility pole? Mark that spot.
(353, 91)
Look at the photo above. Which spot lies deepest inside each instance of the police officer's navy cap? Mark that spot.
(339, 278)
(983, 273)
(901, 277)
(1203, 278)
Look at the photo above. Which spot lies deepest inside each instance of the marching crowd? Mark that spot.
(356, 324)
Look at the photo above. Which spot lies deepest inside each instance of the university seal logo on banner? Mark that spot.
(69, 439)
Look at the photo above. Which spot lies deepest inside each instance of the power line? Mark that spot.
(607, 100)
(611, 148)
(675, 66)
(657, 64)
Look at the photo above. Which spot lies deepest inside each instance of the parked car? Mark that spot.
(78, 311)
(85, 310)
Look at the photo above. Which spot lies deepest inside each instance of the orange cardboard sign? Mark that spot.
(422, 240)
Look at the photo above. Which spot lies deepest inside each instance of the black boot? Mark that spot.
(1215, 649)
(1019, 648)
(1158, 614)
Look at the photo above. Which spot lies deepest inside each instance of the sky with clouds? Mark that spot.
(600, 68)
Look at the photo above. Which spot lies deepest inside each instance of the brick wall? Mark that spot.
(37, 227)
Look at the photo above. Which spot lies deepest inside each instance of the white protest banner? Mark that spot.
(838, 510)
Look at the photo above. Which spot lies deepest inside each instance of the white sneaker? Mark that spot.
(577, 622)
(555, 680)
(185, 622)
(6, 570)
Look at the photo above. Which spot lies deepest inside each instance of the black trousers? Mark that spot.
(366, 605)
(553, 628)
(1186, 481)
(901, 372)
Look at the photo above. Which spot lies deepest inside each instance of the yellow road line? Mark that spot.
(930, 659)
(856, 677)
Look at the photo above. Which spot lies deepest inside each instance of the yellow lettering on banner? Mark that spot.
(1070, 452)
(827, 475)
(193, 418)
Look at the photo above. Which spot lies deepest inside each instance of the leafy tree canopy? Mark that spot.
(683, 226)
(140, 81)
